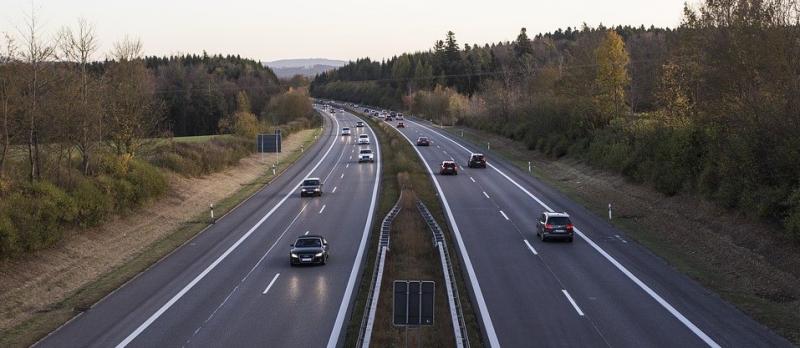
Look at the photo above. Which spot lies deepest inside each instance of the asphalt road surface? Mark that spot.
(600, 290)
(232, 285)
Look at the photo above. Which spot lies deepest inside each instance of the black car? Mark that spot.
(423, 141)
(476, 160)
(555, 225)
(311, 187)
(448, 168)
(310, 249)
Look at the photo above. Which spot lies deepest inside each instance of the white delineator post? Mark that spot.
(609, 211)
(529, 166)
(211, 206)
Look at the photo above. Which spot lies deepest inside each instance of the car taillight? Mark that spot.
(548, 226)
(569, 226)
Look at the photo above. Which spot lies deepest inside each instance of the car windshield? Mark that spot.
(308, 243)
(423, 139)
(449, 165)
(558, 220)
(345, 129)
(363, 136)
(314, 182)
(365, 151)
(477, 157)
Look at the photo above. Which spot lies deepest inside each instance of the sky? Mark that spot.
(268, 30)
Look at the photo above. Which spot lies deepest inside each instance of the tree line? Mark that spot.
(710, 107)
(82, 138)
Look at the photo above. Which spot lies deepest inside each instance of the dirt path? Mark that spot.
(34, 283)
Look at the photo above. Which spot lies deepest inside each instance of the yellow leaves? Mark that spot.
(612, 78)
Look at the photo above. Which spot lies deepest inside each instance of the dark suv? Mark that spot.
(448, 168)
(423, 141)
(554, 225)
(310, 249)
(476, 160)
(311, 187)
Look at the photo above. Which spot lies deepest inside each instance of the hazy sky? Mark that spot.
(345, 29)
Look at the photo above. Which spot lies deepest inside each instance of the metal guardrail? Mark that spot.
(368, 318)
(456, 313)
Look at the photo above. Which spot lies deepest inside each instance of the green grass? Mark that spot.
(43, 322)
(398, 156)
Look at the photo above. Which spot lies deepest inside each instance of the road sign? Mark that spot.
(269, 142)
(413, 302)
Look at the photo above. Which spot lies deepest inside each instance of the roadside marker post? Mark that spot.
(488, 145)
(274, 167)
(609, 211)
(212, 213)
(529, 167)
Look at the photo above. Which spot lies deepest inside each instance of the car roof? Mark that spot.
(363, 135)
(310, 179)
(310, 236)
(448, 162)
(564, 214)
(476, 154)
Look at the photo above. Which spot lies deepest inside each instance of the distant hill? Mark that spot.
(286, 68)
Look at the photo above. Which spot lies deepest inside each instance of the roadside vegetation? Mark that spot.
(708, 108)
(81, 139)
(402, 169)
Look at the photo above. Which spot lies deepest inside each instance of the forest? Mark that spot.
(711, 107)
(83, 138)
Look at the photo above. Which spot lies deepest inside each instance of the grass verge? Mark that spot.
(45, 321)
(399, 157)
(716, 253)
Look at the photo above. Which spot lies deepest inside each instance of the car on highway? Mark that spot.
(554, 225)
(393, 114)
(311, 187)
(308, 249)
(345, 130)
(399, 116)
(476, 160)
(366, 155)
(389, 119)
(423, 141)
(363, 139)
(448, 168)
(359, 124)
(401, 125)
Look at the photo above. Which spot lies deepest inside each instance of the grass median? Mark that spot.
(399, 160)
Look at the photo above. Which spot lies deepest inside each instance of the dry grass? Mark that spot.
(748, 263)
(412, 256)
(36, 286)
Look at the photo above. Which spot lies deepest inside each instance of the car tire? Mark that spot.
(569, 239)
(542, 237)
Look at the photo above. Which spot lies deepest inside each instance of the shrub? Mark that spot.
(39, 212)
(8, 235)
(92, 204)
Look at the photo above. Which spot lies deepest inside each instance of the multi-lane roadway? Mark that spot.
(232, 284)
(600, 290)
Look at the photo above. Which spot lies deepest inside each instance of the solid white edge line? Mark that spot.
(351, 282)
(213, 265)
(678, 315)
(504, 215)
(476, 288)
(270, 284)
(530, 247)
(574, 305)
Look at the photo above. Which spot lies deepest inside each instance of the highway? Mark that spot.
(232, 284)
(600, 290)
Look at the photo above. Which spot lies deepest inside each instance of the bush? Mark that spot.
(8, 235)
(41, 210)
(92, 204)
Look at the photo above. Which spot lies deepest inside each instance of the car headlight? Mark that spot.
(294, 255)
(316, 189)
(318, 255)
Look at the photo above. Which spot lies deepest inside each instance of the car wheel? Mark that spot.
(542, 237)
(569, 239)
